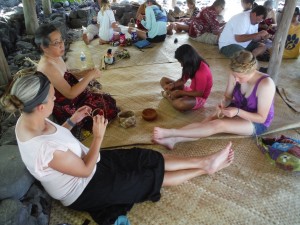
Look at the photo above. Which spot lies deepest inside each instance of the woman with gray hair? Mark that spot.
(247, 107)
(105, 183)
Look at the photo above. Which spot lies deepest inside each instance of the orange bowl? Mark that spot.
(149, 114)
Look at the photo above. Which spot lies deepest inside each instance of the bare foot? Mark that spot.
(219, 160)
(85, 39)
(170, 29)
(159, 133)
(169, 143)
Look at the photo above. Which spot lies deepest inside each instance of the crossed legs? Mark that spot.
(180, 169)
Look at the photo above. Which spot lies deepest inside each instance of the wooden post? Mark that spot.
(173, 3)
(280, 39)
(31, 21)
(4, 70)
(47, 7)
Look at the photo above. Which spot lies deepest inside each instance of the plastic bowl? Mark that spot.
(149, 114)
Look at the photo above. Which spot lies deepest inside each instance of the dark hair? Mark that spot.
(154, 2)
(260, 10)
(252, 2)
(218, 3)
(296, 13)
(42, 35)
(190, 60)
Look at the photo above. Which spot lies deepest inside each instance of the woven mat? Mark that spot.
(289, 83)
(250, 191)
(136, 88)
(159, 53)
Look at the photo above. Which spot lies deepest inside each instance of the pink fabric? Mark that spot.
(202, 82)
(205, 22)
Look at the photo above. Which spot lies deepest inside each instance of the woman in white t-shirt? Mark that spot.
(105, 183)
(107, 21)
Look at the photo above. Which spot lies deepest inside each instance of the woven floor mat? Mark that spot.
(138, 87)
(289, 83)
(159, 53)
(250, 191)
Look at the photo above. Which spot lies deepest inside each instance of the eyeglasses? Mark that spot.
(58, 43)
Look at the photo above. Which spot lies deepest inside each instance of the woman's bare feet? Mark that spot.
(170, 29)
(219, 160)
(159, 133)
(169, 143)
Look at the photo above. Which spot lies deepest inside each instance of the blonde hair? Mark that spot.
(243, 62)
(105, 5)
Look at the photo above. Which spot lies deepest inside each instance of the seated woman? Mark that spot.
(141, 14)
(105, 183)
(70, 93)
(292, 44)
(192, 12)
(246, 110)
(269, 24)
(107, 22)
(248, 4)
(155, 23)
(194, 67)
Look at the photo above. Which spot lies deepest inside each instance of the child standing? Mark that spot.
(107, 21)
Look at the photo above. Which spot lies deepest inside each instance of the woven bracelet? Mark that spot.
(70, 123)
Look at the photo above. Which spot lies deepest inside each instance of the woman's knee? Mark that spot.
(165, 80)
(181, 105)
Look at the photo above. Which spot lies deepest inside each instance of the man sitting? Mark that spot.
(241, 32)
(292, 44)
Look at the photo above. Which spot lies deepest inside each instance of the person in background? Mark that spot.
(104, 183)
(247, 108)
(206, 28)
(108, 25)
(155, 23)
(141, 14)
(194, 67)
(241, 32)
(92, 30)
(192, 12)
(292, 44)
(269, 24)
(248, 5)
(72, 92)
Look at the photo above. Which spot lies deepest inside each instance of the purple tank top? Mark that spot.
(250, 104)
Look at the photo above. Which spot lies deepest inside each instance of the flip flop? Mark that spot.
(122, 220)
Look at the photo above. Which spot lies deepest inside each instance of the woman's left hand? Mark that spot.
(81, 113)
(230, 111)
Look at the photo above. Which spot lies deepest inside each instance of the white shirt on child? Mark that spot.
(106, 20)
(36, 154)
(238, 25)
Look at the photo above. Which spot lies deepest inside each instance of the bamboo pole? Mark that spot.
(280, 39)
(47, 7)
(4, 69)
(31, 21)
